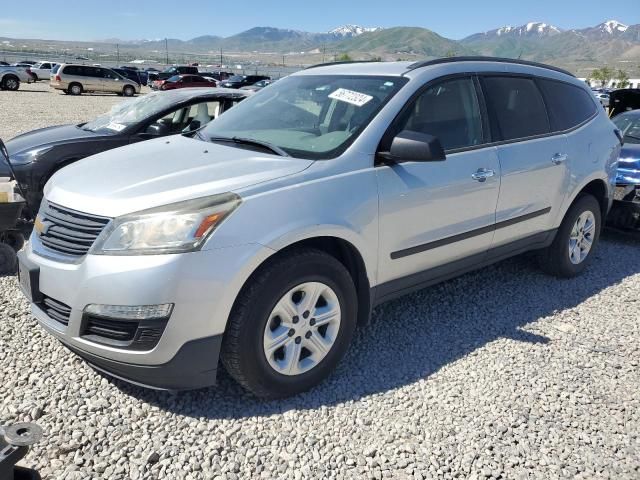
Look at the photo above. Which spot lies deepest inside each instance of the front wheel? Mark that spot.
(11, 83)
(128, 91)
(576, 239)
(75, 89)
(291, 324)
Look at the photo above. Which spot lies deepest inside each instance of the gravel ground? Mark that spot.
(502, 373)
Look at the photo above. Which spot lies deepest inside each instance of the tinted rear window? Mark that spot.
(516, 107)
(568, 105)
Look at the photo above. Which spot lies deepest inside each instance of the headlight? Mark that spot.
(176, 228)
(28, 156)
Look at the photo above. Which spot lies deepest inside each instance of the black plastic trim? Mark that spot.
(194, 366)
(466, 235)
(440, 61)
(417, 281)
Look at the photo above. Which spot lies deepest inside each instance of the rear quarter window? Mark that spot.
(568, 105)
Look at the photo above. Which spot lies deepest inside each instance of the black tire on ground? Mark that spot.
(128, 91)
(10, 82)
(242, 349)
(14, 239)
(8, 260)
(555, 259)
(75, 89)
(66, 92)
(35, 77)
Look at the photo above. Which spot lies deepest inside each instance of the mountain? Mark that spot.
(601, 44)
(528, 30)
(351, 30)
(402, 40)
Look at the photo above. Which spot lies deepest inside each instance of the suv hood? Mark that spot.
(162, 171)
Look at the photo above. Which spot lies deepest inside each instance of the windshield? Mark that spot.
(313, 117)
(130, 113)
(236, 78)
(173, 79)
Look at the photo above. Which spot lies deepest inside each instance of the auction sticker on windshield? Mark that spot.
(118, 127)
(354, 98)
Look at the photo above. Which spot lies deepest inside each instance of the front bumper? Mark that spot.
(625, 212)
(201, 285)
(194, 366)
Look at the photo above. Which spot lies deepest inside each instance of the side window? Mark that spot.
(516, 106)
(93, 72)
(72, 70)
(567, 104)
(108, 74)
(185, 80)
(449, 111)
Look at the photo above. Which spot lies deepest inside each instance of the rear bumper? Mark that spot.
(189, 369)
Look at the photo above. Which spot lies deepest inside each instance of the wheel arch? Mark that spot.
(341, 249)
(598, 188)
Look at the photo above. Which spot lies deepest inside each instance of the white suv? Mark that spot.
(267, 236)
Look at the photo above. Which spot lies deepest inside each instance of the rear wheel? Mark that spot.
(128, 91)
(576, 239)
(75, 89)
(291, 324)
(11, 82)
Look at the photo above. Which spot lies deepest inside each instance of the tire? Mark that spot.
(252, 318)
(11, 82)
(556, 259)
(35, 77)
(75, 89)
(14, 239)
(8, 260)
(128, 91)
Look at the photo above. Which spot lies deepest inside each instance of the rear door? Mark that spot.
(533, 160)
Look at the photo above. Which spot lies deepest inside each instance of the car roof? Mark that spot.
(406, 68)
(183, 94)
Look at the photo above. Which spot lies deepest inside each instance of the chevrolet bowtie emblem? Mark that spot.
(40, 226)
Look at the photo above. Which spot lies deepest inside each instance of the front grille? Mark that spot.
(67, 231)
(56, 310)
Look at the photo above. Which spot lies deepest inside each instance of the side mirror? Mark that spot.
(4, 151)
(157, 130)
(410, 146)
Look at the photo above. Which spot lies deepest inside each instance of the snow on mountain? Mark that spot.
(531, 29)
(612, 26)
(352, 30)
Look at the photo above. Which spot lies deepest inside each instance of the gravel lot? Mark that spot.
(502, 373)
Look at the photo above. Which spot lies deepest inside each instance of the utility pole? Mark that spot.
(220, 57)
(324, 51)
(118, 54)
(166, 49)
(283, 60)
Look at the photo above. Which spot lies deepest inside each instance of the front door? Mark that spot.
(437, 213)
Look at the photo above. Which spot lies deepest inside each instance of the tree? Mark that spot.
(450, 54)
(344, 58)
(622, 79)
(602, 75)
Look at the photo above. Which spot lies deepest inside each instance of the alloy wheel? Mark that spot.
(582, 237)
(302, 328)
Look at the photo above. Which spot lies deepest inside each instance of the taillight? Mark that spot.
(58, 79)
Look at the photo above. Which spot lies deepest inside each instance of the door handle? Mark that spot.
(482, 174)
(559, 158)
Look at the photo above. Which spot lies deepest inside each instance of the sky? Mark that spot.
(132, 20)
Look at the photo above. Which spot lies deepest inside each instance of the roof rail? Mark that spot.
(439, 61)
(326, 64)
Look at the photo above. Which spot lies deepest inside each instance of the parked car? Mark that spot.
(603, 98)
(625, 212)
(75, 79)
(624, 100)
(42, 70)
(11, 77)
(128, 74)
(238, 81)
(3, 64)
(53, 71)
(37, 155)
(177, 70)
(257, 86)
(267, 236)
(185, 81)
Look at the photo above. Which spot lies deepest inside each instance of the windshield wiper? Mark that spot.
(250, 141)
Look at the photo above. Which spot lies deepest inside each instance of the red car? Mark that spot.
(183, 81)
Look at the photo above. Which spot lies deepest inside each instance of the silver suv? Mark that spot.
(266, 237)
